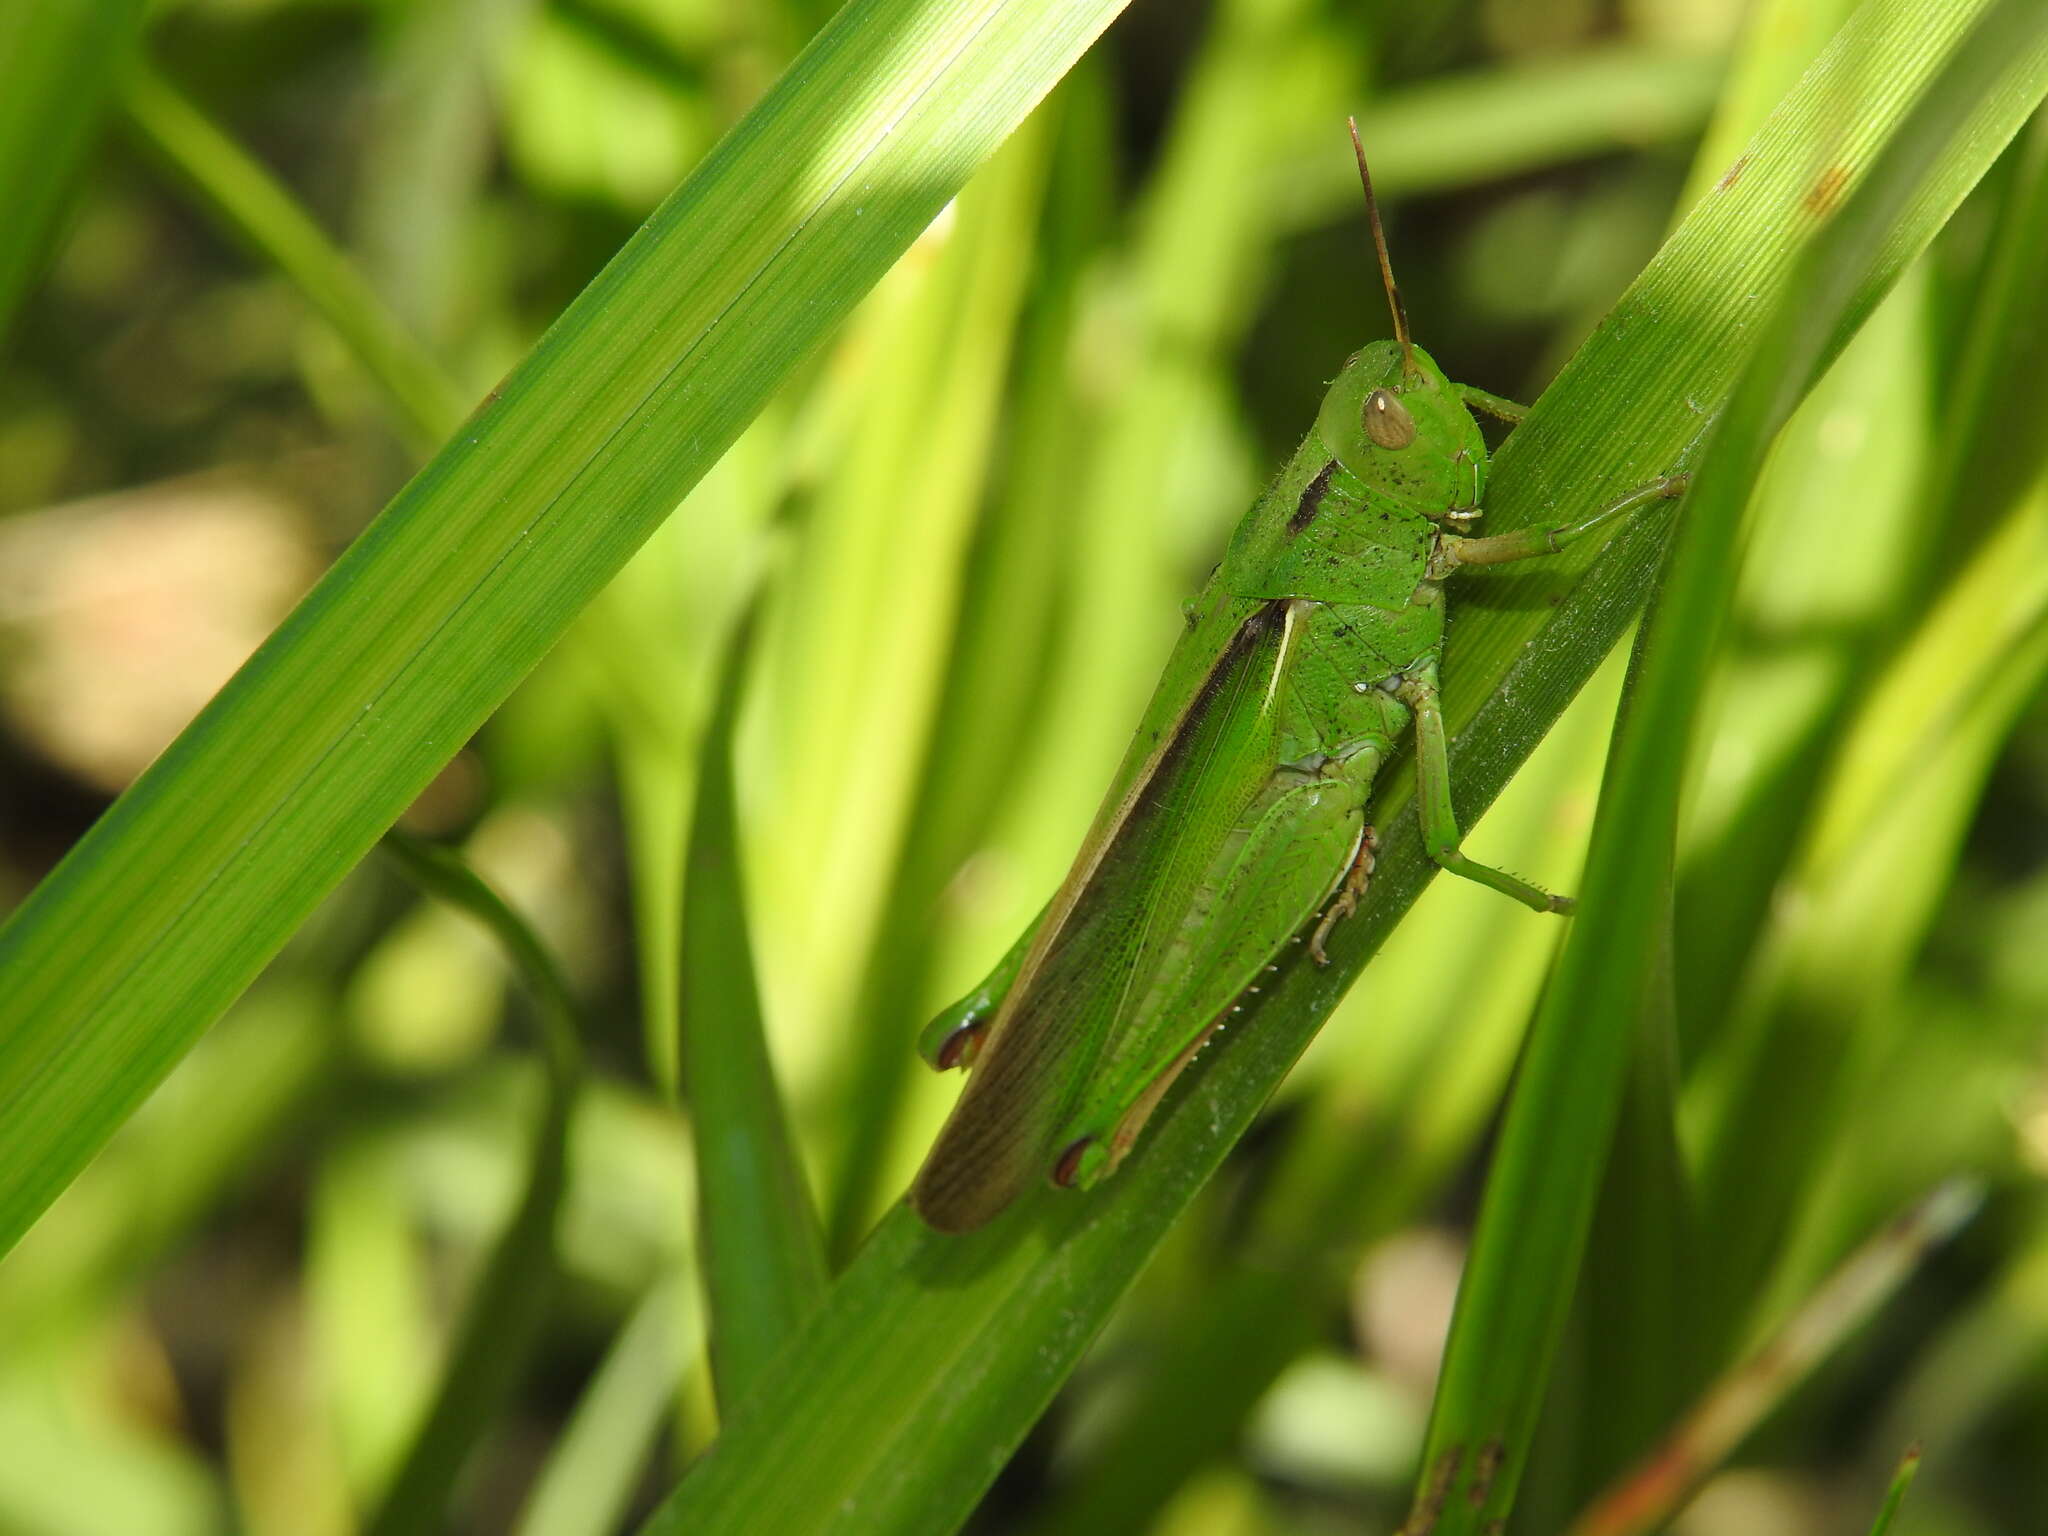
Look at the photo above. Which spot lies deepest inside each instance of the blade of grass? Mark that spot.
(216, 1120)
(1812, 622)
(652, 641)
(1633, 1295)
(1517, 1289)
(866, 627)
(506, 1309)
(1855, 910)
(1009, 587)
(426, 157)
(589, 1477)
(1456, 130)
(1994, 451)
(190, 883)
(57, 64)
(254, 209)
(763, 1252)
(1902, 1479)
(1645, 1499)
(902, 1397)
(1915, 751)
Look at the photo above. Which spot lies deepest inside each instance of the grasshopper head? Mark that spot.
(1395, 422)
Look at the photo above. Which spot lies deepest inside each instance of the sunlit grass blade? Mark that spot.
(1518, 1284)
(1814, 615)
(865, 627)
(57, 66)
(1010, 578)
(932, 1355)
(190, 883)
(1915, 751)
(1811, 614)
(1996, 452)
(1645, 1499)
(762, 1248)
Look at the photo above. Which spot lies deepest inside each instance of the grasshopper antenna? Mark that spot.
(1379, 243)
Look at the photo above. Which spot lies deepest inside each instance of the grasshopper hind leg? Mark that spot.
(1303, 844)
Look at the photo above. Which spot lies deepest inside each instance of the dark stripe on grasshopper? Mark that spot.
(1312, 496)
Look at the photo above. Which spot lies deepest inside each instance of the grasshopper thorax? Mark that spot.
(1354, 517)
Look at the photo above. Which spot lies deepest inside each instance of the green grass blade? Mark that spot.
(1916, 749)
(931, 1356)
(256, 210)
(763, 1250)
(590, 1476)
(1645, 1500)
(443, 873)
(57, 64)
(1635, 1285)
(501, 1323)
(1895, 1496)
(1806, 612)
(191, 882)
(1920, 746)
(507, 1308)
(865, 627)
(1518, 1284)
(1462, 130)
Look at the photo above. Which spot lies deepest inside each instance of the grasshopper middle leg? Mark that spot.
(1440, 833)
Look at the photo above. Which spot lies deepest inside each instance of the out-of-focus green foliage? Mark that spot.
(970, 515)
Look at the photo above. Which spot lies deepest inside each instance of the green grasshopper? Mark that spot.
(1237, 821)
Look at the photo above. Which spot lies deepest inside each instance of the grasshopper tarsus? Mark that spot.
(1364, 860)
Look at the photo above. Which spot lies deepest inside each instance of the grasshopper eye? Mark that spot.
(1387, 421)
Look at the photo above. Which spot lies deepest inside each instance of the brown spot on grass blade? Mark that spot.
(1733, 174)
(1429, 1504)
(1485, 1467)
(1825, 194)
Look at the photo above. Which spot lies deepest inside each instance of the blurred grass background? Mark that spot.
(971, 521)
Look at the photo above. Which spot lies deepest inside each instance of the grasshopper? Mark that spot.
(1237, 822)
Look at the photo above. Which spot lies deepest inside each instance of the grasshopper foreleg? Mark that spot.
(1455, 550)
(1440, 833)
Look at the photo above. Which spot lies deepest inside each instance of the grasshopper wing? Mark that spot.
(1131, 882)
